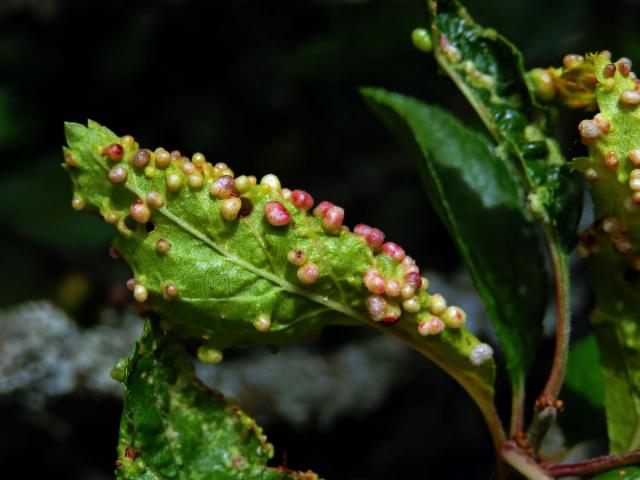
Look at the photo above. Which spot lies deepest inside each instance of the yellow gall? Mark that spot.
(163, 158)
(117, 174)
(392, 288)
(412, 305)
(174, 181)
(438, 304)
(209, 354)
(140, 158)
(286, 193)
(155, 200)
(149, 172)
(424, 286)
(297, 257)
(198, 158)
(589, 131)
(572, 61)
(630, 97)
(634, 179)
(454, 317)
(271, 181)
(230, 207)
(262, 323)
(195, 180)
(140, 212)
(244, 183)
(634, 156)
(127, 141)
(78, 203)
(112, 218)
(308, 273)
(163, 246)
(407, 291)
(431, 325)
(543, 82)
(188, 168)
(140, 293)
(611, 160)
(170, 291)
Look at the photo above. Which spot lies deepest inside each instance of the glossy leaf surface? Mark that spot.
(488, 69)
(480, 200)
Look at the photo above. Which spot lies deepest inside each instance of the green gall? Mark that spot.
(209, 354)
(421, 39)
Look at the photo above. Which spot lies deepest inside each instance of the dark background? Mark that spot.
(266, 86)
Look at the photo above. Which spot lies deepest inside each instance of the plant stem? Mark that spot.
(560, 265)
(595, 465)
(517, 408)
(540, 425)
(523, 463)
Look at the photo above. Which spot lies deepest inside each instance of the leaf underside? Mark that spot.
(480, 200)
(174, 427)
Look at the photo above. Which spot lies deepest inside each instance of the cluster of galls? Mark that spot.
(611, 159)
(393, 281)
(395, 285)
(616, 232)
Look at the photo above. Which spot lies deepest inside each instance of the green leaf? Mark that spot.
(480, 200)
(489, 71)
(173, 426)
(583, 371)
(622, 473)
(612, 246)
(236, 279)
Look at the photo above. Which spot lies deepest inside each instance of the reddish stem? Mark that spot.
(595, 465)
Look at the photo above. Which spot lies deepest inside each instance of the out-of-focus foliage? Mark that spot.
(280, 84)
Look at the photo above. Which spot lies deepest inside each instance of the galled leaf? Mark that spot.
(173, 426)
(223, 258)
(488, 69)
(612, 243)
(477, 195)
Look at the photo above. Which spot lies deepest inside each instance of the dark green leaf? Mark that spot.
(480, 200)
(583, 371)
(488, 69)
(174, 427)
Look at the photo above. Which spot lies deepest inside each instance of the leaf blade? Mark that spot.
(173, 426)
(490, 195)
(226, 274)
(489, 71)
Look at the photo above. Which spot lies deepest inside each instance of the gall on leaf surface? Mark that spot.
(173, 426)
(488, 70)
(612, 243)
(233, 277)
(479, 199)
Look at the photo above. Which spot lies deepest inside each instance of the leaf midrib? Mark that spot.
(284, 284)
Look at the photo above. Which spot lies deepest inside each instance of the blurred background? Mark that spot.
(269, 86)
